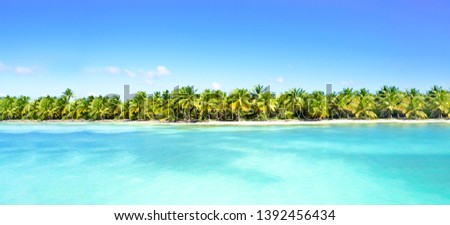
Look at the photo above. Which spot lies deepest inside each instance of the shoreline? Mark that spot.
(233, 123)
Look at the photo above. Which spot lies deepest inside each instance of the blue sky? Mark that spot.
(95, 47)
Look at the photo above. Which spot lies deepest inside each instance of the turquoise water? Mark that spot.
(309, 164)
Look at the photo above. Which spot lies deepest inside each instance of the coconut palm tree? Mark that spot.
(390, 101)
(7, 108)
(186, 104)
(157, 105)
(414, 104)
(65, 102)
(148, 113)
(98, 108)
(266, 104)
(317, 105)
(294, 100)
(207, 104)
(68, 94)
(365, 105)
(256, 91)
(115, 105)
(21, 106)
(240, 101)
(438, 100)
(255, 95)
(47, 108)
(186, 99)
(223, 105)
(81, 109)
(31, 111)
(137, 105)
(170, 105)
(344, 103)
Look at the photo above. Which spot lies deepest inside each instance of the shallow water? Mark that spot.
(299, 164)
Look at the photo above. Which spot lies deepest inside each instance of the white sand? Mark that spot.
(241, 123)
(325, 122)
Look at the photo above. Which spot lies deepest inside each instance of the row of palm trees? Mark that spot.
(186, 104)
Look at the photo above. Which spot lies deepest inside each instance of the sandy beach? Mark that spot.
(234, 123)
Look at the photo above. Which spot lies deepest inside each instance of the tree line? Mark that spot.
(187, 104)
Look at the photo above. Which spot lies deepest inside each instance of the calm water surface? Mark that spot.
(309, 164)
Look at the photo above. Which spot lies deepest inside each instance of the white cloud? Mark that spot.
(129, 73)
(147, 75)
(18, 70)
(113, 70)
(162, 71)
(2, 95)
(280, 79)
(23, 70)
(347, 82)
(216, 86)
(109, 70)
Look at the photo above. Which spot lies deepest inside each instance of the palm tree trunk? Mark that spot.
(189, 115)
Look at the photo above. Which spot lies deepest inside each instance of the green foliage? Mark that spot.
(365, 105)
(317, 105)
(390, 101)
(187, 104)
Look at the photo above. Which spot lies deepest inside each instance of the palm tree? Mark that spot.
(317, 105)
(390, 101)
(223, 105)
(207, 103)
(414, 104)
(47, 108)
(185, 104)
(294, 100)
(115, 105)
(30, 111)
(65, 101)
(98, 109)
(255, 95)
(21, 106)
(344, 103)
(240, 101)
(438, 100)
(169, 105)
(257, 90)
(266, 104)
(7, 109)
(157, 106)
(186, 99)
(81, 109)
(365, 105)
(137, 105)
(68, 94)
